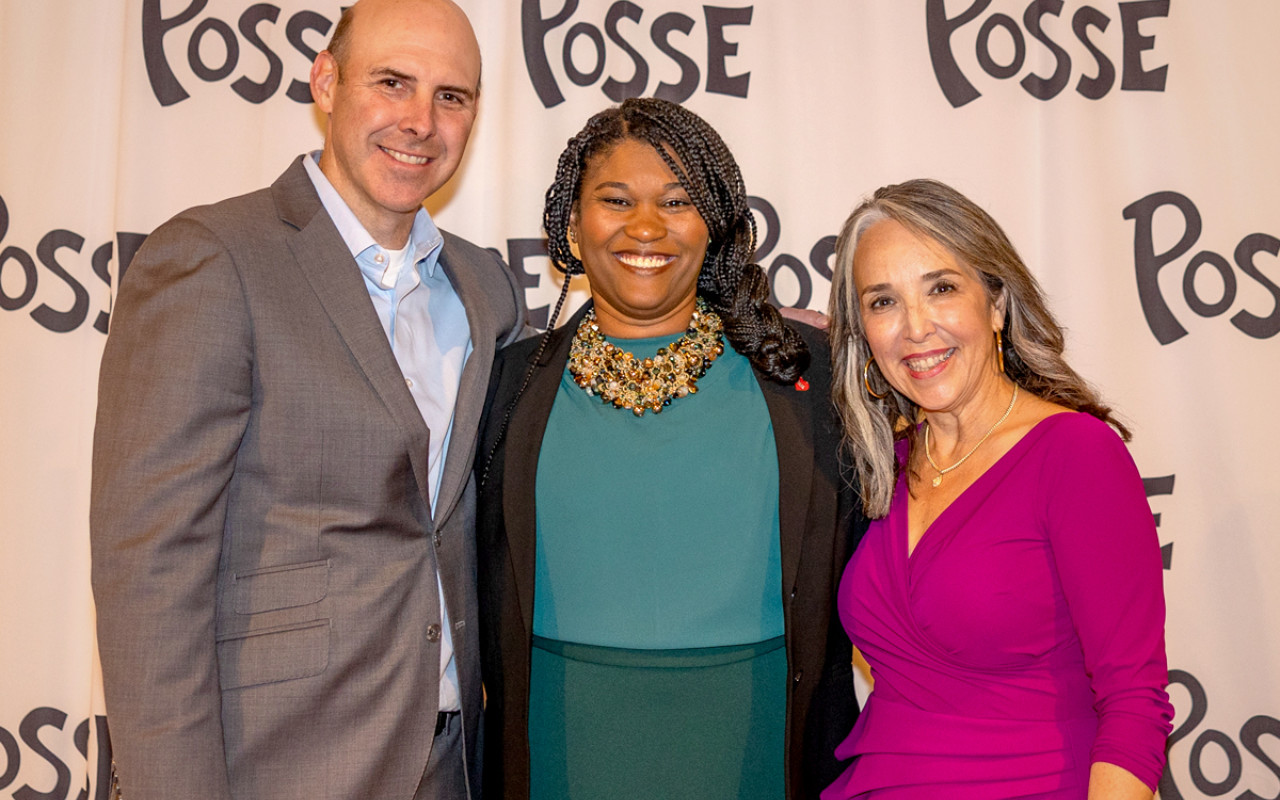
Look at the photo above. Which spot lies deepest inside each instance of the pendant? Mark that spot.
(937, 482)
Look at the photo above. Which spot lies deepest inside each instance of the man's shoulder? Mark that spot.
(458, 249)
(238, 214)
(241, 210)
(256, 209)
(487, 286)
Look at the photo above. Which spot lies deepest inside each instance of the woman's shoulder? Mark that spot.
(1076, 440)
(813, 337)
(521, 350)
(1077, 426)
(818, 343)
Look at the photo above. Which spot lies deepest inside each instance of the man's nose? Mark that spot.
(420, 118)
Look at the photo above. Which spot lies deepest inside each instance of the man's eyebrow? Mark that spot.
(463, 91)
(404, 77)
(388, 72)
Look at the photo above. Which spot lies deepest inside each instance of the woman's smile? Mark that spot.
(923, 365)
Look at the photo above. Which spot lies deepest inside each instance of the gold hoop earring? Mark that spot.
(1000, 351)
(866, 379)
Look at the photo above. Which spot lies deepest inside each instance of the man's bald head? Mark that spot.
(400, 87)
(340, 41)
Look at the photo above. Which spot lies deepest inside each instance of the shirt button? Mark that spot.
(408, 382)
(435, 539)
(379, 258)
(433, 633)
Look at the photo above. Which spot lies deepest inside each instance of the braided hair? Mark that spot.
(732, 285)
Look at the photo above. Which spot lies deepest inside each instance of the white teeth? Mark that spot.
(405, 158)
(926, 364)
(644, 262)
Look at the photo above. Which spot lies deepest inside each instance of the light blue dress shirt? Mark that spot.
(426, 324)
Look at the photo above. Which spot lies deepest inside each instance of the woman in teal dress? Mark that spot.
(660, 520)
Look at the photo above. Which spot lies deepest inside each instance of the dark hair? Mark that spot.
(732, 285)
(1033, 340)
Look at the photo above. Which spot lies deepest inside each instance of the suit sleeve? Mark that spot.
(174, 397)
(1108, 559)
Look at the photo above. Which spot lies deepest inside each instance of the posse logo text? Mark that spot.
(21, 280)
(1001, 44)
(1201, 295)
(215, 50)
(1208, 741)
(568, 48)
(28, 756)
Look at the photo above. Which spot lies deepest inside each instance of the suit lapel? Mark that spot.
(325, 261)
(522, 449)
(792, 417)
(481, 319)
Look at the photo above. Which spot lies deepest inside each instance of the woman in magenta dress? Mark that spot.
(1008, 595)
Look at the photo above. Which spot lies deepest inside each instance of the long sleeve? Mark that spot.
(174, 400)
(1108, 560)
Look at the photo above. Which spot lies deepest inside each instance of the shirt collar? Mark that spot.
(424, 238)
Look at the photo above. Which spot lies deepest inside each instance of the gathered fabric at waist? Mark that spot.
(898, 745)
(687, 658)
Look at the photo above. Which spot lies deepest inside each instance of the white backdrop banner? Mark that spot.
(1129, 148)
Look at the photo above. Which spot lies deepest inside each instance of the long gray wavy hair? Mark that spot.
(1032, 339)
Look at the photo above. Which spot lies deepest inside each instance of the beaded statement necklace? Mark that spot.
(645, 384)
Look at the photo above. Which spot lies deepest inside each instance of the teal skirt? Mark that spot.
(702, 724)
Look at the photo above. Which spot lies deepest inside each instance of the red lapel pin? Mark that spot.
(802, 385)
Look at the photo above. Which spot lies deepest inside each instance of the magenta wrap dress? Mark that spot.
(1022, 640)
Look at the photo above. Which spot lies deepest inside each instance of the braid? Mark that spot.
(732, 285)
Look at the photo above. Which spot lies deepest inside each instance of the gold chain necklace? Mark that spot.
(938, 480)
(648, 384)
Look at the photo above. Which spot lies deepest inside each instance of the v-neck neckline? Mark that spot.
(906, 494)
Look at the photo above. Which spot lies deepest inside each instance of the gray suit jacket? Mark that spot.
(264, 556)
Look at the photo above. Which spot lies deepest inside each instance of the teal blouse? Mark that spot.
(658, 616)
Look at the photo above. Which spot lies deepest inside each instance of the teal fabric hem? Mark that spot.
(688, 658)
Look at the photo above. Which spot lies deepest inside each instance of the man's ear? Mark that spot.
(324, 81)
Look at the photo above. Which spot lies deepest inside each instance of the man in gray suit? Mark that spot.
(283, 508)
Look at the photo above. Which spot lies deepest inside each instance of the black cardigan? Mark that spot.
(820, 524)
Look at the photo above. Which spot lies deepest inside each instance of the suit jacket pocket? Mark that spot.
(282, 586)
(268, 655)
